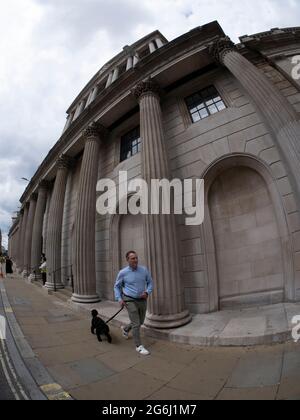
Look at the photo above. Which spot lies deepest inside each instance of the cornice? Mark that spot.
(271, 39)
(111, 64)
(125, 83)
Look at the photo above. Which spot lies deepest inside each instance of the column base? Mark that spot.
(51, 286)
(35, 277)
(85, 298)
(168, 321)
(24, 273)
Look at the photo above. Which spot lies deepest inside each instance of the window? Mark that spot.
(130, 144)
(204, 103)
(101, 87)
(122, 68)
(144, 52)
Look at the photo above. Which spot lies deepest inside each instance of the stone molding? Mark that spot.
(148, 86)
(95, 131)
(220, 48)
(65, 162)
(44, 184)
(33, 197)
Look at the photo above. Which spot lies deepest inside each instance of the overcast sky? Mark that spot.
(49, 50)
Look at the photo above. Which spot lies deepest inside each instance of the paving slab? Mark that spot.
(122, 386)
(250, 394)
(168, 393)
(159, 368)
(257, 370)
(62, 355)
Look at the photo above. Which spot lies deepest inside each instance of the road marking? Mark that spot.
(8, 310)
(55, 392)
(4, 358)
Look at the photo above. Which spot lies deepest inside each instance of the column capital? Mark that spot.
(148, 86)
(95, 131)
(44, 184)
(221, 47)
(33, 197)
(64, 162)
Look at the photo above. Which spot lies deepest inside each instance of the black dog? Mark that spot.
(100, 326)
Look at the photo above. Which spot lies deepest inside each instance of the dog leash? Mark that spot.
(115, 314)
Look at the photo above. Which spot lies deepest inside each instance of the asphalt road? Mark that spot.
(10, 384)
(7, 390)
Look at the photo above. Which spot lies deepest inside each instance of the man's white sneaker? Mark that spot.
(124, 333)
(142, 350)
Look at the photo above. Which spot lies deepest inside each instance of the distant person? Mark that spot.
(43, 268)
(9, 265)
(132, 288)
(2, 266)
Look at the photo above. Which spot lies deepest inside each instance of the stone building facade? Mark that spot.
(196, 107)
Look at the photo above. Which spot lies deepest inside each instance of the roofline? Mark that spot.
(106, 66)
(66, 136)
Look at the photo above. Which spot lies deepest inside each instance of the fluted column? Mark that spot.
(19, 241)
(54, 231)
(28, 236)
(166, 305)
(37, 232)
(83, 258)
(280, 115)
(22, 244)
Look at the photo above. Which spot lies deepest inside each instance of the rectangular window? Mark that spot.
(130, 144)
(122, 68)
(144, 52)
(204, 103)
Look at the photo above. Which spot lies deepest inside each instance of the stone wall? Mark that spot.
(68, 222)
(192, 149)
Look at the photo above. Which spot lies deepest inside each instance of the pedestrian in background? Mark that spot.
(8, 265)
(2, 266)
(43, 268)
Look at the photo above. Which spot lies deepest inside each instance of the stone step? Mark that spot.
(62, 294)
(37, 283)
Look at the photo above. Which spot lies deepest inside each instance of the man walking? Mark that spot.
(132, 288)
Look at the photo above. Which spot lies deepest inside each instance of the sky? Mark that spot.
(50, 49)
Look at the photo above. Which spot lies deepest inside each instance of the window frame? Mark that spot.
(132, 149)
(208, 103)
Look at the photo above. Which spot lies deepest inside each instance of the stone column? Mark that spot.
(53, 245)
(159, 43)
(83, 258)
(166, 305)
(37, 232)
(136, 59)
(152, 47)
(129, 63)
(109, 80)
(68, 122)
(18, 244)
(28, 236)
(22, 242)
(278, 113)
(115, 75)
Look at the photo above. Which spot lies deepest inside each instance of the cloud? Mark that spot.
(50, 49)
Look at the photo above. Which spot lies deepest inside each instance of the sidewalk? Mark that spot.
(67, 361)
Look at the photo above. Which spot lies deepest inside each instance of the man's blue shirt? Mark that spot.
(133, 283)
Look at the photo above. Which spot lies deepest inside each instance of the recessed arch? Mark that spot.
(126, 231)
(210, 175)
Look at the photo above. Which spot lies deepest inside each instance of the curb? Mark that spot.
(36, 379)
